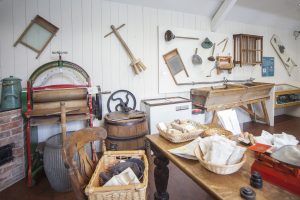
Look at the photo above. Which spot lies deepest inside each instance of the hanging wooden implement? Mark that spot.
(225, 45)
(175, 64)
(280, 49)
(224, 63)
(136, 64)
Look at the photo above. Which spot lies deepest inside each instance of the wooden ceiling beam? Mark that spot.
(221, 14)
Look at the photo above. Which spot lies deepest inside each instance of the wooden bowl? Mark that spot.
(219, 169)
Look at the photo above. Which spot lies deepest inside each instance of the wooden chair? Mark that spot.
(81, 169)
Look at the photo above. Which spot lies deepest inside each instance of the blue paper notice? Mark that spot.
(267, 68)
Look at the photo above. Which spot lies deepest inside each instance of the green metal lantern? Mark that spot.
(10, 94)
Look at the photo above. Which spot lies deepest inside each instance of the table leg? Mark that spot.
(251, 109)
(148, 149)
(29, 160)
(161, 176)
(266, 116)
(215, 117)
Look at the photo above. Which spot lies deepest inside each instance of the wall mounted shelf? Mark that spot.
(286, 96)
(248, 49)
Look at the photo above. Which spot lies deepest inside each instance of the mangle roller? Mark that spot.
(42, 100)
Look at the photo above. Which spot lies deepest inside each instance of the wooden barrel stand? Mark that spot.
(128, 134)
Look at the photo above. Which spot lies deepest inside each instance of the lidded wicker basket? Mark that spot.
(129, 192)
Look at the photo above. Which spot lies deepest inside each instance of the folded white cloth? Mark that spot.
(236, 155)
(220, 150)
(284, 139)
(124, 178)
(265, 138)
(276, 140)
(186, 151)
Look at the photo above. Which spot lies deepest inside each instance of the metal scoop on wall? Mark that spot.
(196, 59)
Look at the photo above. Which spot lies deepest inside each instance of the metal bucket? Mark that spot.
(54, 167)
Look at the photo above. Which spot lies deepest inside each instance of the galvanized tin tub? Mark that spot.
(54, 167)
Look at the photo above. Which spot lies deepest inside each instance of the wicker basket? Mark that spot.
(183, 137)
(219, 169)
(218, 131)
(129, 192)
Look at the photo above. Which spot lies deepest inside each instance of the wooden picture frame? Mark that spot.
(37, 35)
(173, 58)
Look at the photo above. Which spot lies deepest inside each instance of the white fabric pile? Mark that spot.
(187, 151)
(276, 140)
(125, 178)
(220, 150)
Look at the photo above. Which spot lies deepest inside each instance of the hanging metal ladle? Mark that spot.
(169, 35)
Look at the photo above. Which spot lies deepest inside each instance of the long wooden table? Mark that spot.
(219, 186)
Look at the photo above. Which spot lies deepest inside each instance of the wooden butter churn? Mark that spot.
(126, 127)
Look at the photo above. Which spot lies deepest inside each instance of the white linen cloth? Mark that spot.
(229, 121)
(276, 140)
(187, 151)
(124, 178)
(220, 150)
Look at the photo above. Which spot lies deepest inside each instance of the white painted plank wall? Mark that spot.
(83, 23)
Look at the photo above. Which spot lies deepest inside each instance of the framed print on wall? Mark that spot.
(267, 67)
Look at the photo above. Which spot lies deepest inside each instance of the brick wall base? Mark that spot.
(11, 131)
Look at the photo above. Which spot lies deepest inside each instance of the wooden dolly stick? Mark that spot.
(226, 41)
(136, 64)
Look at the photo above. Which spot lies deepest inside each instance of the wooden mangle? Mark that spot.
(42, 100)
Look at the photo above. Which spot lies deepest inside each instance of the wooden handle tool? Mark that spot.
(136, 64)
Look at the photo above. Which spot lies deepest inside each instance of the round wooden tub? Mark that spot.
(125, 134)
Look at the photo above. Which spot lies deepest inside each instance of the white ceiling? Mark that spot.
(278, 13)
(285, 8)
(199, 7)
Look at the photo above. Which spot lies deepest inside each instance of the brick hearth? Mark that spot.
(11, 131)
